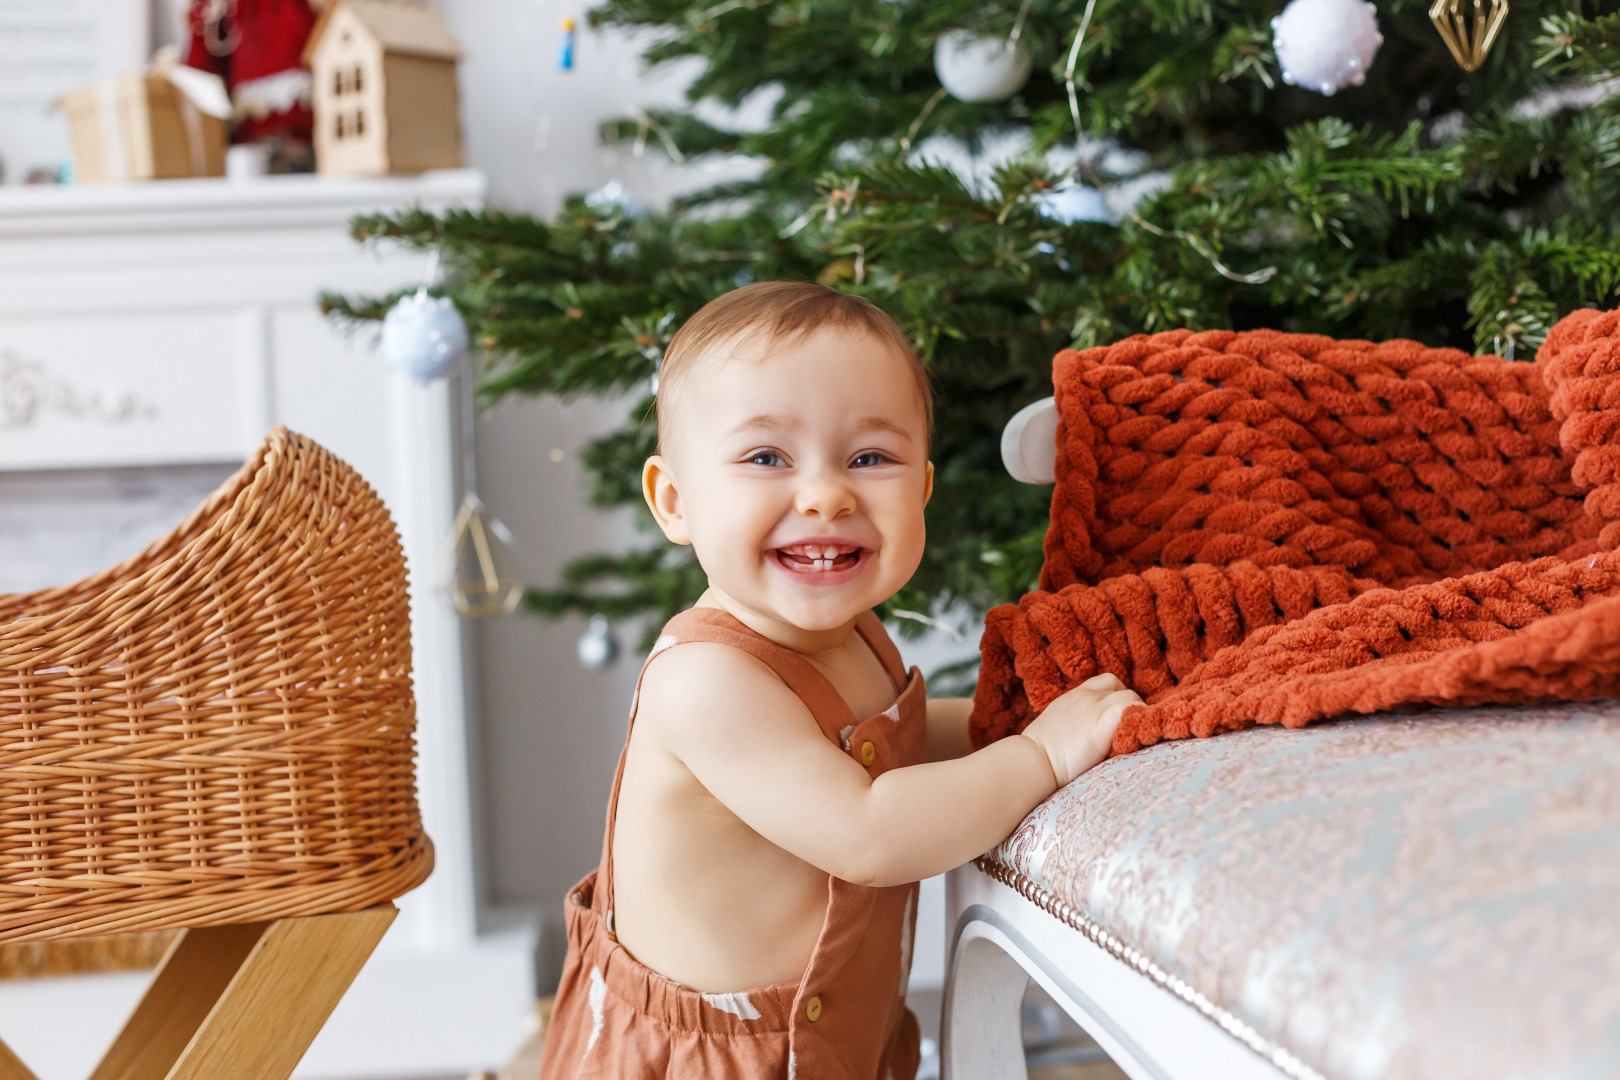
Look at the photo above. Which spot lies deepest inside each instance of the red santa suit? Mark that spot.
(256, 47)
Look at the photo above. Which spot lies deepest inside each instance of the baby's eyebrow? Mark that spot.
(766, 420)
(883, 423)
(786, 421)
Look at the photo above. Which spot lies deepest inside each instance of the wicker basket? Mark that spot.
(219, 729)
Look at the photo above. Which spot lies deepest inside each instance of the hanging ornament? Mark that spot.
(1029, 443)
(1469, 39)
(1326, 45)
(1070, 83)
(597, 647)
(565, 58)
(423, 336)
(973, 67)
(482, 579)
(480, 574)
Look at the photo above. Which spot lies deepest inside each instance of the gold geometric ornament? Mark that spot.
(1469, 39)
(482, 578)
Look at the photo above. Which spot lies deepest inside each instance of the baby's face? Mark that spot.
(799, 477)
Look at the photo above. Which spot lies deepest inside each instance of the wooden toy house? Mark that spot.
(385, 97)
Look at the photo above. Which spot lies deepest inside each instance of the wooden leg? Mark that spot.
(984, 993)
(11, 1068)
(199, 966)
(243, 1000)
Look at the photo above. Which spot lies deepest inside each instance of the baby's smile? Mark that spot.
(821, 561)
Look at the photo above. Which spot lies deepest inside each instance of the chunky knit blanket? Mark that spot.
(1279, 528)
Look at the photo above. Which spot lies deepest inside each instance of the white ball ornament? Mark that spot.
(972, 67)
(423, 336)
(597, 646)
(1325, 45)
(1029, 443)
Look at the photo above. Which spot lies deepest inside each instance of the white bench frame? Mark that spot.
(1152, 1025)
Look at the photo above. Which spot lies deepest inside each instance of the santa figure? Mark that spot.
(256, 46)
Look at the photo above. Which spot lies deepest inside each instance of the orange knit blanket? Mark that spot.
(1278, 528)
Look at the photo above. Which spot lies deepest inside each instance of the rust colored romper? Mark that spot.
(846, 1019)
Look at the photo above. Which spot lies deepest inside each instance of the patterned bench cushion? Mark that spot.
(1421, 896)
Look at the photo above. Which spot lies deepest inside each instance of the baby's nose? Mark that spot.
(824, 495)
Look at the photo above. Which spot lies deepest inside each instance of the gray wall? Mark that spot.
(550, 731)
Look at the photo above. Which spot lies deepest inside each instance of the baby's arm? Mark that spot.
(757, 750)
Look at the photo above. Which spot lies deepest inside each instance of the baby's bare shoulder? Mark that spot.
(705, 688)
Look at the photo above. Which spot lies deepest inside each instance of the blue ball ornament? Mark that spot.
(423, 336)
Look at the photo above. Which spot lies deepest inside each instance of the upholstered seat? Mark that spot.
(1427, 897)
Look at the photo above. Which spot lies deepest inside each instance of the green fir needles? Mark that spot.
(1466, 209)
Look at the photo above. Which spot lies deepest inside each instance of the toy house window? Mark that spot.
(338, 86)
(359, 122)
(338, 131)
(356, 83)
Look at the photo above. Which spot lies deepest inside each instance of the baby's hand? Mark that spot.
(1075, 730)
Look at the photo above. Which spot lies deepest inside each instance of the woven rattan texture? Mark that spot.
(1276, 528)
(220, 729)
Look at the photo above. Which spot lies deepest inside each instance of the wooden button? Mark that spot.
(812, 1008)
(868, 753)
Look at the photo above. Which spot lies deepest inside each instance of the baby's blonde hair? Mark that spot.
(781, 310)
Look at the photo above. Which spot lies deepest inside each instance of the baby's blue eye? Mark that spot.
(768, 458)
(868, 459)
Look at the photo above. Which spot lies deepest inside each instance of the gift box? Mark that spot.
(148, 125)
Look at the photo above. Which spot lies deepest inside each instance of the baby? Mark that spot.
(786, 782)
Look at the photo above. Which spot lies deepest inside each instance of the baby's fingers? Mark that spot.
(1114, 706)
(1117, 702)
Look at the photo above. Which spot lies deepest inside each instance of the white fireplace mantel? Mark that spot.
(173, 323)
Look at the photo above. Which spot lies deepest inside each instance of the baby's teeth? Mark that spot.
(820, 557)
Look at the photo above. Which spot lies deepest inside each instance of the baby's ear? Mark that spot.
(928, 484)
(664, 500)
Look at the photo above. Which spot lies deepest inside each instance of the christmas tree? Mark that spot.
(1167, 174)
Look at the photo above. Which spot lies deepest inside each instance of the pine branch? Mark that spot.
(1570, 42)
(1507, 308)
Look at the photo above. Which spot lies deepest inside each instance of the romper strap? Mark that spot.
(878, 640)
(813, 688)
